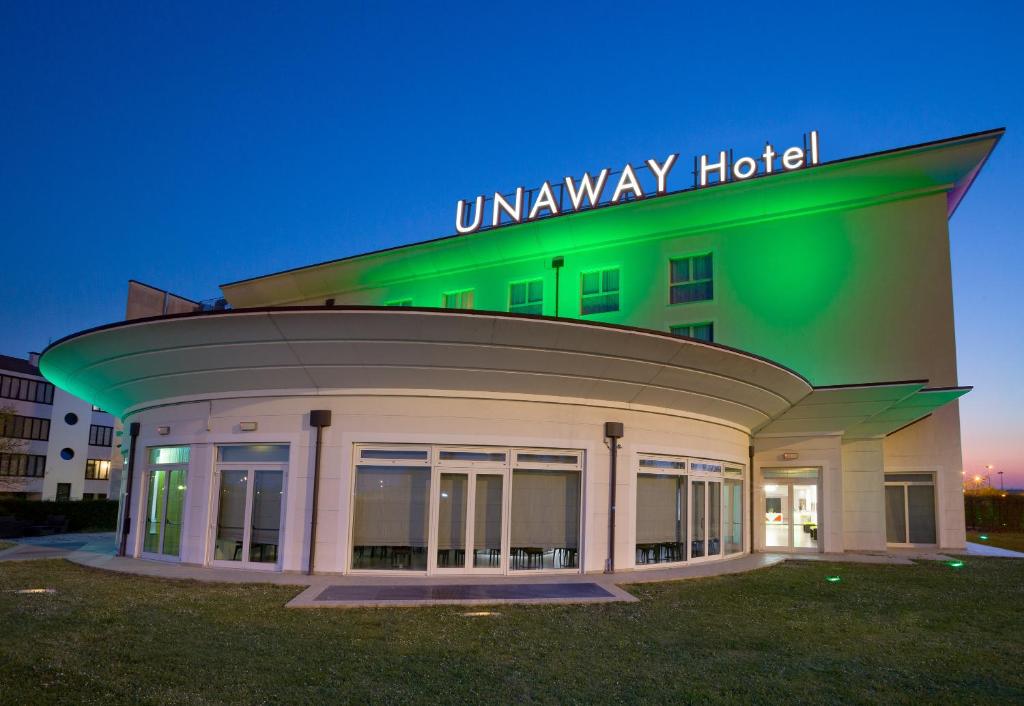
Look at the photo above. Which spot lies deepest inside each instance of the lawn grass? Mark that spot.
(1005, 540)
(926, 633)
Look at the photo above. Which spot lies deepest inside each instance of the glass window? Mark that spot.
(97, 469)
(459, 300)
(526, 297)
(390, 516)
(231, 516)
(662, 463)
(545, 522)
(543, 459)
(698, 517)
(253, 453)
(895, 515)
(660, 518)
(101, 435)
(705, 467)
(471, 456)
(63, 491)
(599, 291)
(910, 508)
(701, 332)
(395, 454)
(487, 523)
(265, 530)
(452, 506)
(160, 455)
(690, 279)
(714, 519)
(732, 516)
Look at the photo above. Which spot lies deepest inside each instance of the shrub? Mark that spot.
(82, 515)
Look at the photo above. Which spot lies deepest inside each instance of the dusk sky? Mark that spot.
(187, 146)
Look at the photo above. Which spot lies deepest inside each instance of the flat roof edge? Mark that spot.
(997, 133)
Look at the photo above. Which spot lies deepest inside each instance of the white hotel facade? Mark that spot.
(762, 365)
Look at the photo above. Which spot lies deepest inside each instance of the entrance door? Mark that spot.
(705, 518)
(248, 531)
(469, 528)
(165, 503)
(791, 510)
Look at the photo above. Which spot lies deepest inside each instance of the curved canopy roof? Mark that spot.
(129, 366)
(327, 350)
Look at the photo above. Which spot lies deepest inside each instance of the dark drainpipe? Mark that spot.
(318, 418)
(126, 519)
(557, 263)
(613, 432)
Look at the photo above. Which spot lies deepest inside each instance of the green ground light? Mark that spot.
(983, 537)
(956, 564)
(833, 579)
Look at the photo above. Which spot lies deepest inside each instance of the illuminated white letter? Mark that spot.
(744, 168)
(477, 219)
(705, 168)
(661, 172)
(814, 146)
(628, 182)
(587, 188)
(793, 158)
(500, 204)
(545, 199)
(768, 157)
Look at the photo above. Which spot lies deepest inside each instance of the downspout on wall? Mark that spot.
(613, 431)
(318, 418)
(126, 517)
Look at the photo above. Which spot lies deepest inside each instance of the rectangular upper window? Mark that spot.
(16, 426)
(23, 465)
(599, 291)
(17, 388)
(702, 332)
(459, 300)
(97, 469)
(691, 279)
(526, 297)
(100, 435)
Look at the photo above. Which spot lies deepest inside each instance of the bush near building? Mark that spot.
(19, 517)
(994, 510)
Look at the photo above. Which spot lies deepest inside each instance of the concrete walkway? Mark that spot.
(975, 549)
(96, 550)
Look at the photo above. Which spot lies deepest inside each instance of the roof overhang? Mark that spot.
(133, 365)
(945, 166)
(129, 366)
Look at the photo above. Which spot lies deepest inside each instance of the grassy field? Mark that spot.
(893, 634)
(1006, 540)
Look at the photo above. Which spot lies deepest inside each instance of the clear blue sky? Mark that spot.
(189, 145)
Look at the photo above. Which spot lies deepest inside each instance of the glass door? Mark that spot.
(470, 513)
(791, 510)
(705, 518)
(165, 504)
(249, 510)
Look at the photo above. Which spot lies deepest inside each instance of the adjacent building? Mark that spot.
(57, 446)
(765, 364)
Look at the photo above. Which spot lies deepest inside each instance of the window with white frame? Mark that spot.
(691, 279)
(599, 291)
(702, 332)
(526, 297)
(462, 299)
(910, 508)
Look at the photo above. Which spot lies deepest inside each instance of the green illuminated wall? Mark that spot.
(840, 271)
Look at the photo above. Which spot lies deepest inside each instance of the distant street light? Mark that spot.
(1001, 481)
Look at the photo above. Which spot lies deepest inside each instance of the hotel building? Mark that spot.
(757, 365)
